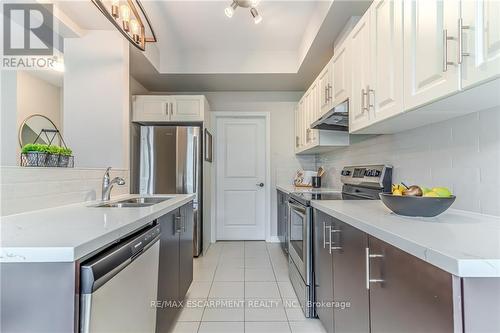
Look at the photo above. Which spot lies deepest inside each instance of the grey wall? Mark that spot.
(97, 99)
(8, 118)
(462, 154)
(280, 105)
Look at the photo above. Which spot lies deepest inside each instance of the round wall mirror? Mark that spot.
(40, 129)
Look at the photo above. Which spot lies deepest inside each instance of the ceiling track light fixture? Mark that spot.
(252, 4)
(128, 17)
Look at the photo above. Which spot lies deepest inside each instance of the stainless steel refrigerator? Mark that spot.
(168, 160)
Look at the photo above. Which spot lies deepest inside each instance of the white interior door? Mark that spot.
(241, 174)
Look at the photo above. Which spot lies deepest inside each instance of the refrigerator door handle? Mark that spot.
(195, 164)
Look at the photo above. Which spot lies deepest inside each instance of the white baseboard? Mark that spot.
(273, 239)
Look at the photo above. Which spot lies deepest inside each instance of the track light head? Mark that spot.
(255, 14)
(229, 11)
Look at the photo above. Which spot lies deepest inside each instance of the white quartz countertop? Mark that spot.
(68, 233)
(288, 188)
(461, 243)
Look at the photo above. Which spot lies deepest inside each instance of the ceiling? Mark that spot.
(202, 25)
(196, 37)
(85, 14)
(200, 49)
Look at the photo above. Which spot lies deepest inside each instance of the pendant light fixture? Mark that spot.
(128, 17)
(252, 4)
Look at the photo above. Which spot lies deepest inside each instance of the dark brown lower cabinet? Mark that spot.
(323, 265)
(401, 293)
(176, 264)
(352, 307)
(186, 249)
(168, 278)
(412, 296)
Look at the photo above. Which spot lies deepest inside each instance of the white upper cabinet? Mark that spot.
(325, 86)
(314, 111)
(171, 108)
(430, 50)
(480, 43)
(302, 124)
(307, 111)
(341, 73)
(359, 39)
(151, 108)
(307, 117)
(386, 93)
(188, 108)
(297, 128)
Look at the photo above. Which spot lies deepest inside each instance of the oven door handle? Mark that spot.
(297, 208)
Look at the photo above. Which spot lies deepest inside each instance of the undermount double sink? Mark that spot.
(134, 202)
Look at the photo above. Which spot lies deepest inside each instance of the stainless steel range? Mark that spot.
(359, 183)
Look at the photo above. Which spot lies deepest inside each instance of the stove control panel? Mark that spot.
(372, 176)
(345, 172)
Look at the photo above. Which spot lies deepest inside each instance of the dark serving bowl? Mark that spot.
(416, 206)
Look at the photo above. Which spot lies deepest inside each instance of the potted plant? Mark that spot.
(35, 154)
(64, 156)
(53, 156)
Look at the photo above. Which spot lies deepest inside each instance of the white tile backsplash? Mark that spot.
(462, 153)
(27, 189)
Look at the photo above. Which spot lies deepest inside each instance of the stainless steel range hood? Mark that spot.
(337, 119)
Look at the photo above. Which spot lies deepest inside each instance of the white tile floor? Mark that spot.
(243, 287)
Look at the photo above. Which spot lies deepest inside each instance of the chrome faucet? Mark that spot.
(108, 184)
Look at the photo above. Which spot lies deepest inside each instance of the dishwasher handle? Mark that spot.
(99, 269)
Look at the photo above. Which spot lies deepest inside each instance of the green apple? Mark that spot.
(443, 192)
(426, 190)
(431, 194)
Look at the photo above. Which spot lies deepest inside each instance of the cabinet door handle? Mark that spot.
(328, 227)
(329, 91)
(334, 231)
(446, 63)
(367, 267)
(178, 225)
(324, 235)
(166, 109)
(370, 91)
(329, 239)
(461, 28)
(363, 108)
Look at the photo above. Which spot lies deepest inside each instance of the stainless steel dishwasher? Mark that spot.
(119, 285)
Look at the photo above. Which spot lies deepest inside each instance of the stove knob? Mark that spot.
(377, 173)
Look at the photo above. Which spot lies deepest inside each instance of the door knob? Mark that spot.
(260, 184)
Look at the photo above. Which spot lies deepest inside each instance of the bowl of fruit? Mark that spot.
(418, 201)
